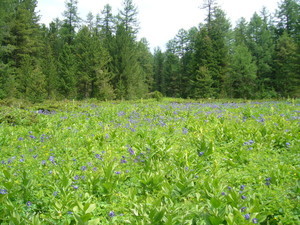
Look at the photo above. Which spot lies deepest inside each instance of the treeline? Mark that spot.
(256, 59)
(100, 57)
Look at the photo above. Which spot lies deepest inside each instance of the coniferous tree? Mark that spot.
(243, 73)
(158, 69)
(71, 21)
(261, 45)
(287, 67)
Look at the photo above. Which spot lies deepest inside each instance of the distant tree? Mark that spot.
(287, 67)
(288, 17)
(260, 42)
(243, 73)
(210, 5)
(128, 17)
(158, 67)
(71, 21)
(67, 72)
(93, 79)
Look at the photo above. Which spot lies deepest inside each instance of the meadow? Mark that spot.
(150, 162)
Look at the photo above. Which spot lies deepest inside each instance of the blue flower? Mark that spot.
(117, 172)
(243, 209)
(243, 197)
(98, 156)
(201, 153)
(111, 214)
(29, 203)
(51, 158)
(131, 151)
(185, 130)
(83, 168)
(254, 220)
(247, 216)
(3, 191)
(243, 187)
(75, 187)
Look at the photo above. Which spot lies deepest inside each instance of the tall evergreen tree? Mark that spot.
(158, 70)
(261, 45)
(289, 18)
(242, 73)
(287, 67)
(71, 21)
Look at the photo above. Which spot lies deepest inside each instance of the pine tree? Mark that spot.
(287, 67)
(242, 73)
(261, 45)
(71, 21)
(67, 72)
(289, 18)
(158, 67)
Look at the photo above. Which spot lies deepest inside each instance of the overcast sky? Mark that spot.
(160, 20)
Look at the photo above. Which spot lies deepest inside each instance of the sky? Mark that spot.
(160, 20)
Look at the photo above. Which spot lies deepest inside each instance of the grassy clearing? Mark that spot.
(147, 162)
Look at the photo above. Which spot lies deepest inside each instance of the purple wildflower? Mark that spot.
(243, 209)
(3, 191)
(254, 220)
(29, 203)
(247, 216)
(131, 151)
(111, 214)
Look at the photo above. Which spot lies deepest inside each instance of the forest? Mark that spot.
(101, 57)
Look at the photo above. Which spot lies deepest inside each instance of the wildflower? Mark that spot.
(29, 203)
(55, 193)
(243, 187)
(185, 130)
(131, 151)
(243, 209)
(123, 161)
(288, 144)
(20, 139)
(35, 156)
(111, 214)
(51, 158)
(22, 160)
(76, 177)
(43, 162)
(98, 156)
(243, 197)
(75, 187)
(83, 168)
(31, 136)
(254, 220)
(201, 153)
(247, 216)
(95, 168)
(3, 191)
(117, 172)
(223, 193)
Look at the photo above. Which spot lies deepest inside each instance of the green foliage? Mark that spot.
(243, 73)
(172, 162)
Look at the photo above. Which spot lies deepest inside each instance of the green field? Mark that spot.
(150, 162)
